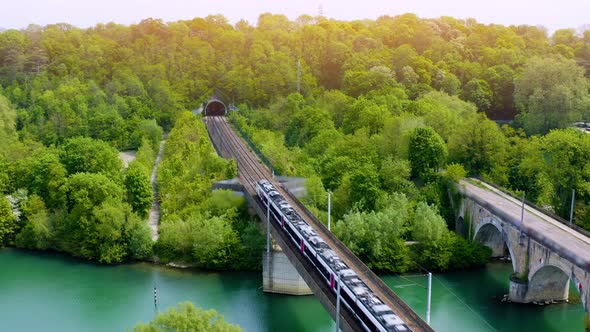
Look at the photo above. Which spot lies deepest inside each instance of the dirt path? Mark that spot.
(154, 218)
(127, 157)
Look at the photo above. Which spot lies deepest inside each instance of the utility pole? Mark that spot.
(429, 298)
(572, 208)
(268, 225)
(338, 305)
(272, 168)
(521, 236)
(298, 76)
(156, 299)
(522, 212)
(329, 208)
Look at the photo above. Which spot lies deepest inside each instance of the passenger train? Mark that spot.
(367, 307)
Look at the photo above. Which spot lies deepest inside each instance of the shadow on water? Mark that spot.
(273, 312)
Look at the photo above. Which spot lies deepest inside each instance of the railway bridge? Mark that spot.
(250, 171)
(546, 254)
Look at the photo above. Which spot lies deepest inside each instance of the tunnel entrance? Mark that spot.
(215, 108)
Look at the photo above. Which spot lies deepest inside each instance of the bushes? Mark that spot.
(451, 252)
(209, 242)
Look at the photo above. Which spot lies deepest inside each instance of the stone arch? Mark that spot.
(460, 225)
(490, 234)
(215, 107)
(548, 282)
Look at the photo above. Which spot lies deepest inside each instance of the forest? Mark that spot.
(386, 113)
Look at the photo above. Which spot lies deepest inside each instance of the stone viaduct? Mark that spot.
(546, 255)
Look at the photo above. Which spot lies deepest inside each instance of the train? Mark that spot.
(367, 308)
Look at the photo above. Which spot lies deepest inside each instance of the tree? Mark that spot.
(478, 92)
(479, 145)
(109, 219)
(373, 117)
(7, 119)
(91, 198)
(186, 317)
(209, 241)
(147, 129)
(442, 112)
(447, 82)
(428, 226)
(426, 151)
(215, 243)
(37, 229)
(306, 124)
(139, 189)
(556, 164)
(551, 92)
(356, 82)
(364, 186)
(336, 103)
(83, 154)
(395, 175)
(376, 236)
(7, 222)
(42, 174)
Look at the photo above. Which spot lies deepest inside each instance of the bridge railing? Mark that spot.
(539, 208)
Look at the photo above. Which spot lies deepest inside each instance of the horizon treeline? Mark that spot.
(155, 69)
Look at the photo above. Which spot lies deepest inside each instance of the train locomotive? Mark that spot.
(370, 311)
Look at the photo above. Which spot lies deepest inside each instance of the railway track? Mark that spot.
(251, 170)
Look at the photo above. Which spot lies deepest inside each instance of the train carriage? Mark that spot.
(368, 309)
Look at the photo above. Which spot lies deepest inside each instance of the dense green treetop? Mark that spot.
(187, 317)
(551, 92)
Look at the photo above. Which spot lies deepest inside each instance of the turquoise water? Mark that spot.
(49, 292)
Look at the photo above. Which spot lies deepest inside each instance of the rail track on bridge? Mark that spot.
(251, 170)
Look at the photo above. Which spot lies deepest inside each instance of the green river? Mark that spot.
(50, 292)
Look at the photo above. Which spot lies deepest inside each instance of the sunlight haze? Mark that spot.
(551, 14)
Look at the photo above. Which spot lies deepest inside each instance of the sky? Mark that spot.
(552, 14)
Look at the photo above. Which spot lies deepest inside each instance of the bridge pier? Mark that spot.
(542, 291)
(280, 276)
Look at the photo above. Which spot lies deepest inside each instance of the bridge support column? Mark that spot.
(280, 276)
(517, 292)
(548, 283)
